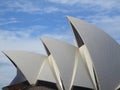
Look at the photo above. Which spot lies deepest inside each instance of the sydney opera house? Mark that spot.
(93, 63)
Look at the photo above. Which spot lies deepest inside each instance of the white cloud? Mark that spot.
(24, 6)
(33, 7)
(13, 35)
(102, 3)
(25, 45)
(30, 7)
(22, 39)
(50, 9)
(21, 33)
(4, 21)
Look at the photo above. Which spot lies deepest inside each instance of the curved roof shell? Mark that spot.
(27, 63)
(65, 56)
(104, 52)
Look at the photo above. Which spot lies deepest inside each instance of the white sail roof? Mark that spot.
(104, 52)
(27, 62)
(89, 66)
(82, 77)
(46, 73)
(64, 55)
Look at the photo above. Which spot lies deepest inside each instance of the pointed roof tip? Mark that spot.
(69, 18)
(72, 19)
(41, 38)
(44, 38)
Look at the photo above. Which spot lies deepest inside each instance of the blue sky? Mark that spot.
(23, 22)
